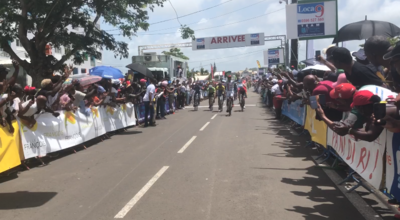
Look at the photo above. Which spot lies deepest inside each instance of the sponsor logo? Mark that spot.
(315, 8)
(95, 112)
(110, 110)
(200, 43)
(35, 144)
(254, 39)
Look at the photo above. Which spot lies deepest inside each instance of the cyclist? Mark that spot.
(196, 88)
(242, 91)
(230, 88)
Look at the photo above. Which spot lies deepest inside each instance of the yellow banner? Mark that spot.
(9, 148)
(258, 63)
(318, 129)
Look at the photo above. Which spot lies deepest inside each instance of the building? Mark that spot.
(25, 79)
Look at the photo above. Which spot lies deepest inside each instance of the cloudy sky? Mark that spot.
(235, 17)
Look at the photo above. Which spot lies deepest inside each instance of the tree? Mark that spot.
(176, 52)
(202, 71)
(41, 22)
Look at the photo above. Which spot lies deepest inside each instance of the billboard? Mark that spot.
(244, 40)
(307, 20)
(273, 57)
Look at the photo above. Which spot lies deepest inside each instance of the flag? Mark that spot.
(212, 72)
(215, 68)
(223, 73)
(258, 63)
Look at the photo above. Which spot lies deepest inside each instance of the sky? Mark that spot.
(233, 17)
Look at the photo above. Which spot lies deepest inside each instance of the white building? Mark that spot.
(25, 79)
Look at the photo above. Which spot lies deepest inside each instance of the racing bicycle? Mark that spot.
(229, 105)
(211, 100)
(241, 99)
(221, 103)
(196, 100)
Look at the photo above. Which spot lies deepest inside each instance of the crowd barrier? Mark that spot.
(365, 158)
(51, 134)
(141, 110)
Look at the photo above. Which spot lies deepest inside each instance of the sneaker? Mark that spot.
(244, 107)
(164, 118)
(153, 124)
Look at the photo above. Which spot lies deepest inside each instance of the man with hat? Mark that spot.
(375, 48)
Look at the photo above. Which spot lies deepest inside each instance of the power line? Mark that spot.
(177, 17)
(214, 26)
(197, 22)
(158, 22)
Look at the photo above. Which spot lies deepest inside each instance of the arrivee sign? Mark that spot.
(243, 40)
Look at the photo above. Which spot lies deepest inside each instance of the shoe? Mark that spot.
(153, 124)
(244, 107)
(144, 126)
(158, 117)
(164, 118)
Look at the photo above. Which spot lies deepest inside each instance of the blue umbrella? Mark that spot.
(107, 72)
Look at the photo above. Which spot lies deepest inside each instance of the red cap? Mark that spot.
(343, 91)
(280, 81)
(362, 98)
(143, 81)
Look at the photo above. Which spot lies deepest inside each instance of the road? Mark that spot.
(194, 165)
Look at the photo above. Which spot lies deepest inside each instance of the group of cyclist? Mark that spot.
(225, 90)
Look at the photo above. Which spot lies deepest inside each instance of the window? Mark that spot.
(18, 43)
(85, 57)
(58, 50)
(83, 70)
(92, 61)
(75, 71)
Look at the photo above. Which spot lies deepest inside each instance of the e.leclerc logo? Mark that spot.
(317, 8)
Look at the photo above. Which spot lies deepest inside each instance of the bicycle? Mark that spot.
(242, 102)
(211, 102)
(196, 99)
(221, 103)
(229, 105)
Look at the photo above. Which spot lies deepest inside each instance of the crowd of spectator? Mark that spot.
(349, 87)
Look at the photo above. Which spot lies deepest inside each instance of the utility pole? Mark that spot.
(294, 52)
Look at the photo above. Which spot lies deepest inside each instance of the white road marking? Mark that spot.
(236, 105)
(187, 145)
(204, 127)
(139, 195)
(214, 116)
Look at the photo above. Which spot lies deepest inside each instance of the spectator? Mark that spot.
(361, 57)
(359, 75)
(29, 93)
(363, 101)
(31, 108)
(322, 88)
(161, 103)
(375, 48)
(4, 83)
(9, 105)
(181, 96)
(394, 57)
(277, 92)
(148, 103)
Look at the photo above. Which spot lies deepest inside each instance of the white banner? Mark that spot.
(51, 134)
(366, 158)
(273, 57)
(244, 40)
(313, 19)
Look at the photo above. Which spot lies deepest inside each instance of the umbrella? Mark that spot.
(83, 79)
(140, 69)
(106, 72)
(317, 67)
(310, 62)
(365, 29)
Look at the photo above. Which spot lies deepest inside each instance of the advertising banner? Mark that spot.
(244, 40)
(366, 158)
(294, 111)
(51, 134)
(318, 129)
(311, 19)
(393, 164)
(9, 148)
(273, 57)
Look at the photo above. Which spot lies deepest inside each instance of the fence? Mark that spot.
(51, 134)
(365, 158)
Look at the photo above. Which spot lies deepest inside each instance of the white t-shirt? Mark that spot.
(14, 106)
(79, 96)
(275, 89)
(32, 110)
(150, 89)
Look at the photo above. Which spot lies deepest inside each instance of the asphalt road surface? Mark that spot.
(194, 165)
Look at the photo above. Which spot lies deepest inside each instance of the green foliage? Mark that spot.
(48, 21)
(176, 52)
